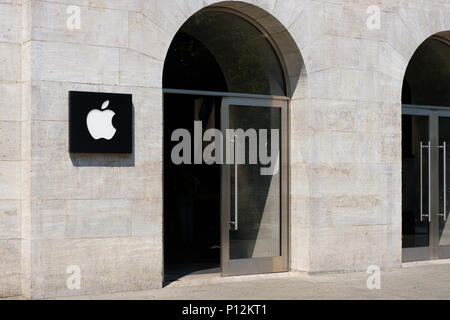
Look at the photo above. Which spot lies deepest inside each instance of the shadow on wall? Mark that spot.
(107, 159)
(286, 45)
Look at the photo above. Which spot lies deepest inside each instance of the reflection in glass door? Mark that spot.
(254, 187)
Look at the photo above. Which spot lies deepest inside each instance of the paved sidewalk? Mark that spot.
(429, 280)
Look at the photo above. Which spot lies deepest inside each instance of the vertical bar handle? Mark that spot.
(235, 223)
(429, 181)
(236, 209)
(444, 161)
(421, 181)
(422, 146)
(444, 177)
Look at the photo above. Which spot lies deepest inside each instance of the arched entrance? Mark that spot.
(225, 205)
(426, 153)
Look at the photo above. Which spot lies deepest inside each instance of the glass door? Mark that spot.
(442, 237)
(416, 191)
(425, 183)
(254, 193)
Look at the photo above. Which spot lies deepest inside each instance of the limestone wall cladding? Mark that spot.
(104, 213)
(10, 148)
(101, 213)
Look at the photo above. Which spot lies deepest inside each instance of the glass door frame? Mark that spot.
(262, 265)
(231, 267)
(434, 250)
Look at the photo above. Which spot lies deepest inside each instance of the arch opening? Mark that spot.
(217, 50)
(427, 77)
(425, 152)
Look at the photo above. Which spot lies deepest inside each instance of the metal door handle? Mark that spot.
(236, 213)
(236, 210)
(421, 181)
(444, 162)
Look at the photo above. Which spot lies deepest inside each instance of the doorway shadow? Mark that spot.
(191, 194)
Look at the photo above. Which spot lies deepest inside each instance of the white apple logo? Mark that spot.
(99, 123)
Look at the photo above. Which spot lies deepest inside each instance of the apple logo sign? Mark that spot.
(99, 123)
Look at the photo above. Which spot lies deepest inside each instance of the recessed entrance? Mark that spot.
(224, 72)
(191, 194)
(426, 152)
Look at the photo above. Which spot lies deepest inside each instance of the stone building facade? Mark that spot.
(105, 213)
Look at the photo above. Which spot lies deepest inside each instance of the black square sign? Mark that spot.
(100, 122)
